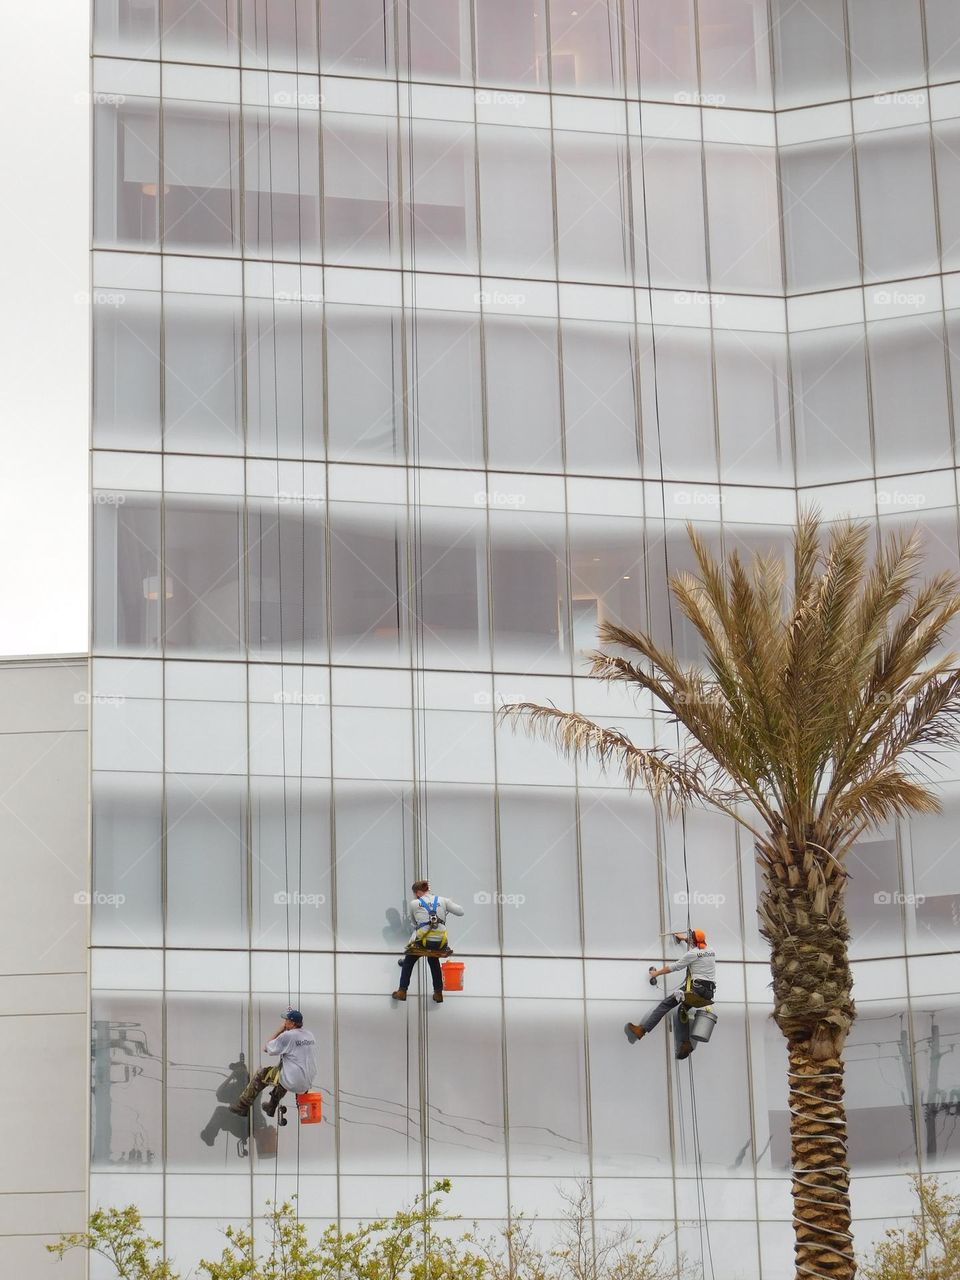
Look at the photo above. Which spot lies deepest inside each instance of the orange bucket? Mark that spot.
(452, 975)
(310, 1106)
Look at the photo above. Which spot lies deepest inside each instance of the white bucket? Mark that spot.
(703, 1025)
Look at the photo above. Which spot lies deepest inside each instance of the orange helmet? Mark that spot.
(698, 939)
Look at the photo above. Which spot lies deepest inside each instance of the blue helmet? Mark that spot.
(294, 1015)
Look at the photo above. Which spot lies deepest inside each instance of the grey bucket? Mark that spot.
(703, 1025)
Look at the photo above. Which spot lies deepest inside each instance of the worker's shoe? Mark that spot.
(400, 995)
(438, 997)
(634, 1032)
(208, 1137)
(684, 1050)
(271, 1104)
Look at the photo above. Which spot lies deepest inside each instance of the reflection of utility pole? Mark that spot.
(933, 1093)
(103, 1129)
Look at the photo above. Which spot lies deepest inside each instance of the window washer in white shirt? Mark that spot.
(428, 915)
(699, 963)
(295, 1072)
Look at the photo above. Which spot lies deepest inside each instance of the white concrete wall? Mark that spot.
(44, 324)
(44, 932)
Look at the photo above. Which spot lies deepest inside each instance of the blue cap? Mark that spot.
(294, 1015)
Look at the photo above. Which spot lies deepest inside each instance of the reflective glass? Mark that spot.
(281, 178)
(126, 1040)
(126, 157)
(830, 404)
(819, 215)
(546, 1086)
(886, 44)
(127, 908)
(946, 141)
(744, 219)
(585, 46)
(908, 377)
(593, 211)
(439, 175)
(207, 1034)
(528, 591)
(461, 848)
(201, 177)
(286, 574)
(367, 549)
(734, 53)
(373, 845)
(687, 441)
(202, 556)
(879, 1089)
(511, 42)
(127, 607)
(284, 376)
(523, 394)
(606, 578)
(360, 215)
(127, 27)
(465, 1118)
(446, 400)
(199, 30)
(896, 203)
(873, 905)
(538, 866)
(676, 238)
(936, 1034)
(619, 842)
(203, 379)
(451, 599)
(206, 896)
(600, 397)
(357, 38)
(279, 33)
(290, 861)
(364, 382)
(126, 369)
(809, 50)
(753, 408)
(661, 49)
(943, 39)
(435, 39)
(516, 205)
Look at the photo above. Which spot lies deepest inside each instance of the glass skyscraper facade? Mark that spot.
(421, 329)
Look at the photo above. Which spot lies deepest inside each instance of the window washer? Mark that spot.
(698, 990)
(295, 1072)
(428, 915)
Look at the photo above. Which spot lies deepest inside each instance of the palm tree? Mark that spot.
(810, 721)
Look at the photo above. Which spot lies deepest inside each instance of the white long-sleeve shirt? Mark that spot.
(702, 963)
(419, 916)
(298, 1058)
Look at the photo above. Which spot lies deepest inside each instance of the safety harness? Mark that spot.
(431, 936)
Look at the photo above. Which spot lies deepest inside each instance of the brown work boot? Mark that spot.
(684, 1050)
(270, 1106)
(400, 995)
(438, 997)
(634, 1032)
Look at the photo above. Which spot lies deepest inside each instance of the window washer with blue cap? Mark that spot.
(295, 1072)
(428, 915)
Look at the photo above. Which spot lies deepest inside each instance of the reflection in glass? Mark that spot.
(896, 203)
(126, 154)
(439, 175)
(126, 369)
(661, 49)
(546, 1087)
(364, 382)
(203, 383)
(127, 839)
(286, 574)
(203, 552)
(201, 177)
(129, 28)
(809, 49)
(593, 214)
(127, 607)
(446, 398)
(281, 175)
(284, 374)
(207, 1032)
(127, 1067)
(206, 895)
(734, 53)
(831, 404)
(199, 30)
(908, 380)
(819, 215)
(511, 42)
(290, 844)
(585, 46)
(516, 203)
(523, 394)
(360, 216)
(279, 33)
(529, 593)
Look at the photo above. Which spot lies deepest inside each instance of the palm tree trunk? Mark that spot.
(821, 1178)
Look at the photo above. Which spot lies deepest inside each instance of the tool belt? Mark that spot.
(699, 993)
(428, 946)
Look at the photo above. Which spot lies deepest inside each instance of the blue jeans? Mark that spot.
(409, 963)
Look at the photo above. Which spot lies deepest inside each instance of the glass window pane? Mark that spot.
(753, 408)
(516, 201)
(687, 440)
(831, 405)
(203, 394)
(285, 576)
(201, 171)
(374, 845)
(585, 44)
(357, 38)
(662, 49)
(126, 1119)
(599, 397)
(435, 39)
(199, 30)
(130, 28)
(440, 200)
(367, 556)
(943, 39)
(819, 215)
(127, 608)
(946, 141)
(619, 842)
(126, 369)
(290, 842)
(744, 219)
(734, 53)
(606, 578)
(127, 839)
(879, 1083)
(511, 42)
(281, 196)
(896, 203)
(908, 378)
(809, 51)
(126, 148)
(523, 393)
(546, 1087)
(361, 221)
(673, 180)
(461, 855)
(451, 603)
(206, 896)
(875, 916)
(467, 1132)
(538, 866)
(593, 208)
(279, 33)
(936, 1032)
(447, 399)
(284, 372)
(202, 558)
(528, 592)
(364, 382)
(208, 1034)
(725, 1137)
(886, 44)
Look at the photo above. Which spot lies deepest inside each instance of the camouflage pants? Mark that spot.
(264, 1078)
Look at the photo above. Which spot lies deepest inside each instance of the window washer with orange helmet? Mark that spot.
(700, 964)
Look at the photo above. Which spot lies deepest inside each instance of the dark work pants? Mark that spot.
(409, 963)
(681, 1026)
